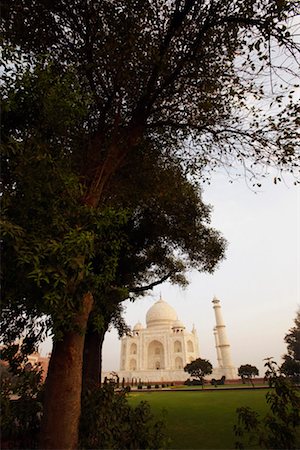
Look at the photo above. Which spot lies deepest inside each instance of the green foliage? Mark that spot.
(21, 406)
(278, 428)
(292, 339)
(61, 247)
(108, 421)
(291, 368)
(56, 268)
(50, 238)
(199, 368)
(291, 364)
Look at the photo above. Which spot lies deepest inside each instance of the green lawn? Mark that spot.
(201, 420)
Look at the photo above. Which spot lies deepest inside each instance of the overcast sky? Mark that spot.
(258, 283)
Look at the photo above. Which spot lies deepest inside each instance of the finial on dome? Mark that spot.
(160, 297)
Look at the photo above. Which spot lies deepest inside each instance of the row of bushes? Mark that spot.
(156, 386)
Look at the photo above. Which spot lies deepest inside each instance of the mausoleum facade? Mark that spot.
(160, 351)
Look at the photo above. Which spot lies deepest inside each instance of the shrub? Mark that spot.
(194, 382)
(108, 421)
(20, 418)
(156, 386)
(278, 429)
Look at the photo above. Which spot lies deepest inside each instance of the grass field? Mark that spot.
(201, 419)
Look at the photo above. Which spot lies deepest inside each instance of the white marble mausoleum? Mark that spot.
(160, 351)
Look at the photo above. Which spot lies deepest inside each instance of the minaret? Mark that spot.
(221, 337)
(197, 348)
(219, 357)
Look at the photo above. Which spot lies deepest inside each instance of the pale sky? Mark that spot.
(258, 283)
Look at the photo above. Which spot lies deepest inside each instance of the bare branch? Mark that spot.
(151, 285)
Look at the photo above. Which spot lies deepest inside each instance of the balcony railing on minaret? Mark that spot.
(219, 356)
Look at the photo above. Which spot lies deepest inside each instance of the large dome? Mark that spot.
(161, 313)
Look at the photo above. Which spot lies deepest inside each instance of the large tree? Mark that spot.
(199, 368)
(183, 76)
(247, 371)
(157, 233)
(51, 236)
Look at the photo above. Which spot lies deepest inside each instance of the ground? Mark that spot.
(201, 419)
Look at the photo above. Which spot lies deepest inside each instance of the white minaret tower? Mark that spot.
(222, 344)
(219, 357)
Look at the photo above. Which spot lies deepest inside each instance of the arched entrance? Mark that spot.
(132, 364)
(156, 357)
(190, 346)
(133, 349)
(177, 347)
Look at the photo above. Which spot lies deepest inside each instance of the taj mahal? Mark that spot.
(160, 351)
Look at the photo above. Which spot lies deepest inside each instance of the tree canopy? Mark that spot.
(247, 371)
(199, 368)
(292, 339)
(161, 226)
(194, 89)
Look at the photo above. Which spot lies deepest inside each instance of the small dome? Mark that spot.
(138, 326)
(161, 313)
(178, 324)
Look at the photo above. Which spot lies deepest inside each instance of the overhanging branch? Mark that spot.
(151, 285)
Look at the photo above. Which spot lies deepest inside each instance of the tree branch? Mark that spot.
(151, 285)
(175, 24)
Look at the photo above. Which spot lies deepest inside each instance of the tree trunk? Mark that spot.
(92, 358)
(62, 403)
